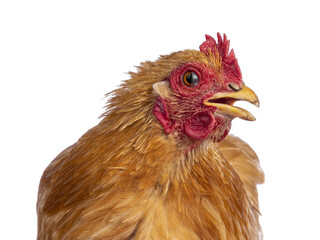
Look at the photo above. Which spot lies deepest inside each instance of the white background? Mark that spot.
(59, 58)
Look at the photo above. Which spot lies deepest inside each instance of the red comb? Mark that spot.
(228, 58)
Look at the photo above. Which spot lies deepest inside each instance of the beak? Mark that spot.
(224, 101)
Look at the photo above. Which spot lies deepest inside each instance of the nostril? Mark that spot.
(234, 87)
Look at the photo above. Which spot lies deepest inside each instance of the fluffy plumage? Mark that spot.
(138, 174)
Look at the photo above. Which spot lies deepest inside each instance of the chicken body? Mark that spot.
(131, 178)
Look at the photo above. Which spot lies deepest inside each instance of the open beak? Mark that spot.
(224, 101)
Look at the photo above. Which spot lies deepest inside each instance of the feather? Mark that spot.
(245, 161)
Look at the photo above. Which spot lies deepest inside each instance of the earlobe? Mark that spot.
(161, 112)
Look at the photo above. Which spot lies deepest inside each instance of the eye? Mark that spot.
(190, 79)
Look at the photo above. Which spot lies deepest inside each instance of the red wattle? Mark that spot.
(199, 126)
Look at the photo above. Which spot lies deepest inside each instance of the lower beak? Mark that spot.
(223, 101)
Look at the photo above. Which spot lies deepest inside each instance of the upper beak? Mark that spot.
(223, 101)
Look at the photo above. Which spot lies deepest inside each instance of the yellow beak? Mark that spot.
(223, 101)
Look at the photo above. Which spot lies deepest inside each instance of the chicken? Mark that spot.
(160, 164)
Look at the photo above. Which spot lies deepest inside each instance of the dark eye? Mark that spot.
(190, 79)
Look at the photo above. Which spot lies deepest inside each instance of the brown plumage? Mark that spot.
(146, 174)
